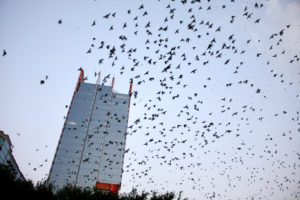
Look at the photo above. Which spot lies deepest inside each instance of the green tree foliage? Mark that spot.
(166, 196)
(133, 195)
(12, 188)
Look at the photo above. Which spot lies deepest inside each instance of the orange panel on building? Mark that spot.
(108, 187)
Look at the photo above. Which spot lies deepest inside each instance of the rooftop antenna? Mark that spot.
(98, 79)
(129, 93)
(80, 79)
(113, 81)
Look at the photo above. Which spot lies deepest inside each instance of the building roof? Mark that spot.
(6, 137)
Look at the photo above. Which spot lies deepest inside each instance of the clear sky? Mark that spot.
(217, 82)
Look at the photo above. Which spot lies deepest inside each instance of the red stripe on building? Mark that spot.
(114, 188)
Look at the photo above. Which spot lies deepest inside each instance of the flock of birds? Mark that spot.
(208, 143)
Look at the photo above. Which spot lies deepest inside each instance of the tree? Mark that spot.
(12, 188)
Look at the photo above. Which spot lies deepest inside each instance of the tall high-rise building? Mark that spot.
(6, 156)
(91, 148)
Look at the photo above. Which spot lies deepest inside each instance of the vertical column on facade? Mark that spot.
(87, 128)
(106, 122)
(129, 93)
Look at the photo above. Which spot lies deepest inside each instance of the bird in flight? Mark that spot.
(167, 53)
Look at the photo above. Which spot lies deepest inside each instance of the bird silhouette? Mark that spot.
(4, 53)
(185, 103)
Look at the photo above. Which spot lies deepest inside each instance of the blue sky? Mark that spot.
(259, 157)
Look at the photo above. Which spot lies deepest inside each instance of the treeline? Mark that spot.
(12, 188)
